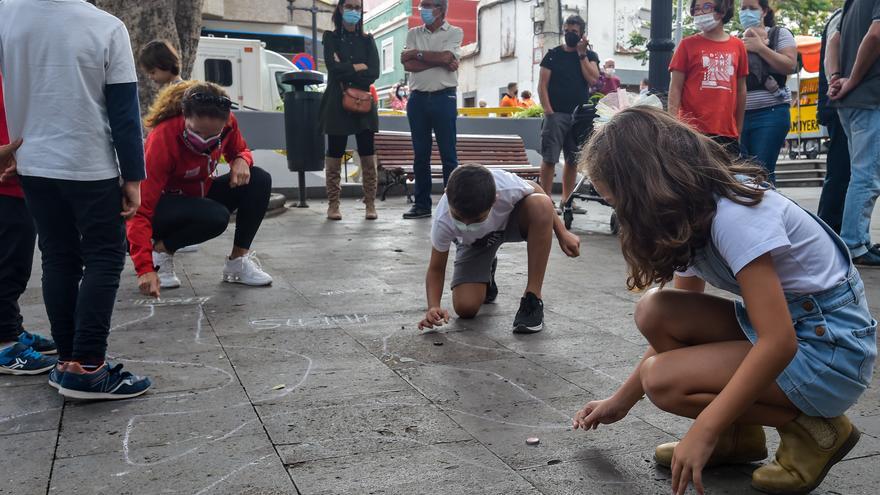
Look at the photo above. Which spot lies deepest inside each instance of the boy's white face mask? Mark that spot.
(467, 227)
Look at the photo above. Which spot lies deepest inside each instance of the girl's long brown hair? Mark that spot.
(665, 180)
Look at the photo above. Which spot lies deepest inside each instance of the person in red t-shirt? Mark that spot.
(709, 70)
(182, 202)
(20, 351)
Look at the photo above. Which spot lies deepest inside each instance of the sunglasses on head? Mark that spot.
(221, 101)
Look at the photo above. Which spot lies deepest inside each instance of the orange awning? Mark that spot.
(808, 47)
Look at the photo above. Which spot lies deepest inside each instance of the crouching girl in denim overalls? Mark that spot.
(795, 354)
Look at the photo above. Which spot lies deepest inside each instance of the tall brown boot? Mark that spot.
(370, 179)
(809, 447)
(333, 174)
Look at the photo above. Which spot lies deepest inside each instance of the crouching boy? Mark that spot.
(480, 211)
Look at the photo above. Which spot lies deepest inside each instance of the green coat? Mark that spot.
(350, 48)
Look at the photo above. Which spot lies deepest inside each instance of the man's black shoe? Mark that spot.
(869, 259)
(530, 317)
(492, 290)
(416, 212)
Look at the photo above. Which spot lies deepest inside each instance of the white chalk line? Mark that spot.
(387, 353)
(514, 351)
(233, 473)
(136, 321)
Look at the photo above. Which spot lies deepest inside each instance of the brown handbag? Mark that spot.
(356, 100)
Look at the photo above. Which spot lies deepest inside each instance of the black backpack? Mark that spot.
(759, 69)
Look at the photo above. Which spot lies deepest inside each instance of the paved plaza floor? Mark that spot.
(322, 384)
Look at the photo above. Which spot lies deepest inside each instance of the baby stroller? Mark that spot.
(582, 120)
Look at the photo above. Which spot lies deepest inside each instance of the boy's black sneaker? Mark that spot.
(416, 212)
(492, 290)
(530, 317)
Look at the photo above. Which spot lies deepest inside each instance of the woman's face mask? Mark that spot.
(749, 18)
(200, 144)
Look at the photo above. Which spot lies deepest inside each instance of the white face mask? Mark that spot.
(464, 227)
(609, 71)
(705, 22)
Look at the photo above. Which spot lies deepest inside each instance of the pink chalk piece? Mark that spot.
(533, 441)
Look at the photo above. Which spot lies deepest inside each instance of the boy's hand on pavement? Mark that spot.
(131, 198)
(570, 244)
(434, 317)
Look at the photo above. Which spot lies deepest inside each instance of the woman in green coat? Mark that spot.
(352, 62)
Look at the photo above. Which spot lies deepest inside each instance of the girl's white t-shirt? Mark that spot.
(807, 259)
(510, 190)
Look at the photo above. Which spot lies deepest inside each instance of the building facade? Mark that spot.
(271, 21)
(388, 22)
(514, 35)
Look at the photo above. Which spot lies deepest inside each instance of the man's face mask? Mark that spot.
(572, 38)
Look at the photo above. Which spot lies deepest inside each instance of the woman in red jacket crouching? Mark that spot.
(182, 202)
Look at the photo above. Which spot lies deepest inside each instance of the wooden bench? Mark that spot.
(394, 156)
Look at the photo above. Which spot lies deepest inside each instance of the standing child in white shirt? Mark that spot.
(795, 354)
(480, 211)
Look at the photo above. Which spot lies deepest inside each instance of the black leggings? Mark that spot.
(336, 144)
(181, 221)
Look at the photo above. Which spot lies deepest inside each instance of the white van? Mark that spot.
(246, 70)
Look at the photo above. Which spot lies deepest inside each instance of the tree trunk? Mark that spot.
(177, 21)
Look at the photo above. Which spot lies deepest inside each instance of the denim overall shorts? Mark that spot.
(836, 336)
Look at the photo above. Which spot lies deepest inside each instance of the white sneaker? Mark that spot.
(246, 270)
(189, 249)
(164, 264)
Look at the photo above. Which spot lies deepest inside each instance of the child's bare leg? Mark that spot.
(467, 299)
(536, 216)
(684, 381)
(700, 346)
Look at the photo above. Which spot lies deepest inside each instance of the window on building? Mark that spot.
(218, 71)
(469, 100)
(387, 55)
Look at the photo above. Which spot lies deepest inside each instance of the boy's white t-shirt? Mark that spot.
(56, 57)
(510, 190)
(807, 259)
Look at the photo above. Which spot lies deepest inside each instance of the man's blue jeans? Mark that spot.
(862, 127)
(763, 135)
(429, 112)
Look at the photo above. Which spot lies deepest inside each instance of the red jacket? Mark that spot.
(173, 168)
(10, 187)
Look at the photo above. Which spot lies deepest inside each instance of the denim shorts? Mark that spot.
(557, 137)
(837, 346)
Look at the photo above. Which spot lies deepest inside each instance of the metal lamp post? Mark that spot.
(661, 45)
(314, 10)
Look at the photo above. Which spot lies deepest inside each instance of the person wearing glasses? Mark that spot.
(431, 57)
(183, 203)
(709, 69)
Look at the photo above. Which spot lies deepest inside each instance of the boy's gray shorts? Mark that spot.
(473, 263)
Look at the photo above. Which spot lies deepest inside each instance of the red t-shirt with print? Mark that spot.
(10, 187)
(712, 70)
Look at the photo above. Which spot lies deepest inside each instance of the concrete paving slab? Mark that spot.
(26, 470)
(358, 425)
(323, 379)
(36, 407)
(460, 468)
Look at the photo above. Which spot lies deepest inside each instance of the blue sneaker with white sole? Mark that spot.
(105, 383)
(56, 375)
(20, 359)
(38, 342)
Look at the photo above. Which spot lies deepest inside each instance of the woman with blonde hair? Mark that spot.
(182, 202)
